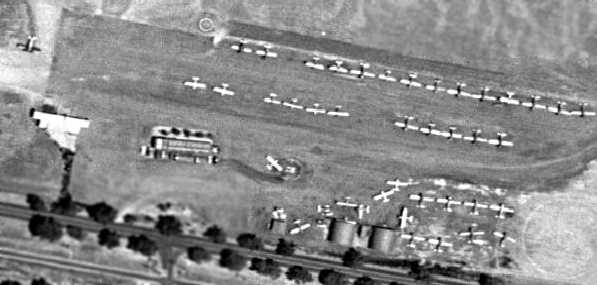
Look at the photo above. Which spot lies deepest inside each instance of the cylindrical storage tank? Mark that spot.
(343, 231)
(382, 238)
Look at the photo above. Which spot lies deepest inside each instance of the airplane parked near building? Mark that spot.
(404, 218)
(438, 243)
(412, 239)
(195, 84)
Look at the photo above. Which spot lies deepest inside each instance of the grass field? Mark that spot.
(130, 80)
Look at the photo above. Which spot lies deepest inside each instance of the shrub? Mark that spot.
(36, 203)
(102, 213)
(267, 267)
(169, 225)
(215, 234)
(45, 227)
(285, 247)
(232, 260)
(299, 275)
(142, 244)
(331, 277)
(364, 280)
(108, 238)
(198, 254)
(352, 258)
(249, 241)
(75, 232)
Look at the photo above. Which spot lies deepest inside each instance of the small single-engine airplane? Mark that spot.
(273, 164)
(501, 210)
(337, 112)
(223, 90)
(448, 202)
(29, 45)
(195, 84)
(471, 234)
(316, 109)
(387, 76)
(404, 218)
(272, 99)
(265, 52)
(412, 239)
(315, 64)
(502, 238)
(240, 47)
(438, 243)
(292, 104)
(475, 206)
(420, 198)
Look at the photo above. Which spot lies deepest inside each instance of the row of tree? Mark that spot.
(36, 281)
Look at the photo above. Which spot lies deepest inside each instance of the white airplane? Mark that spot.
(438, 243)
(508, 99)
(560, 108)
(531, 105)
(412, 239)
(315, 64)
(500, 140)
(383, 195)
(420, 198)
(363, 209)
(583, 112)
(404, 218)
(337, 67)
(272, 99)
(240, 47)
(279, 214)
(273, 164)
(435, 87)
(195, 84)
(471, 234)
(387, 76)
(476, 135)
(459, 87)
(361, 73)
(325, 210)
(475, 206)
(292, 104)
(315, 109)
(337, 112)
(29, 45)
(448, 202)
(404, 125)
(397, 183)
(265, 52)
(451, 130)
(411, 80)
(427, 131)
(299, 228)
(348, 202)
(501, 210)
(503, 237)
(223, 90)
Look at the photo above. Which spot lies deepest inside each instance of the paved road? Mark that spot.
(184, 241)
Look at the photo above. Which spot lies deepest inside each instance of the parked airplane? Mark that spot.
(397, 183)
(363, 209)
(315, 64)
(500, 140)
(531, 105)
(560, 108)
(475, 206)
(383, 195)
(420, 198)
(438, 243)
(195, 84)
(315, 109)
(451, 130)
(503, 237)
(448, 202)
(404, 124)
(299, 228)
(292, 104)
(459, 87)
(279, 213)
(265, 52)
(435, 87)
(427, 131)
(361, 73)
(273, 164)
(410, 81)
(337, 67)
(337, 112)
(412, 239)
(29, 45)
(325, 210)
(404, 218)
(272, 99)
(348, 202)
(471, 233)
(387, 76)
(476, 135)
(240, 47)
(223, 90)
(501, 210)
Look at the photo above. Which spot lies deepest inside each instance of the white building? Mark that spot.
(61, 128)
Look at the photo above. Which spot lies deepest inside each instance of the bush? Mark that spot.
(169, 225)
(142, 244)
(215, 234)
(75, 232)
(45, 227)
(64, 206)
(331, 277)
(10, 282)
(232, 260)
(267, 267)
(419, 272)
(102, 213)
(299, 275)
(108, 238)
(198, 254)
(364, 280)
(486, 279)
(130, 219)
(249, 241)
(352, 258)
(39, 281)
(36, 203)
(285, 248)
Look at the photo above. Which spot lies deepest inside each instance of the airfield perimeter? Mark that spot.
(127, 78)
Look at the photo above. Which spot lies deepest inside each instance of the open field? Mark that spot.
(129, 81)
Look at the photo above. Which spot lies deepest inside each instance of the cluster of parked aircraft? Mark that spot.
(360, 208)
(221, 89)
(472, 237)
(451, 133)
(501, 210)
(315, 109)
(263, 51)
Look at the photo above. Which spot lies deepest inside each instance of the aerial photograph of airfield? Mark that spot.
(189, 142)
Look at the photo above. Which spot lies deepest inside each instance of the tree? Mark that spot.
(169, 225)
(130, 219)
(108, 238)
(267, 267)
(102, 212)
(142, 244)
(331, 277)
(10, 282)
(299, 275)
(232, 260)
(486, 279)
(352, 258)
(215, 234)
(75, 232)
(250, 241)
(285, 247)
(198, 254)
(64, 206)
(419, 272)
(36, 203)
(39, 281)
(45, 227)
(364, 280)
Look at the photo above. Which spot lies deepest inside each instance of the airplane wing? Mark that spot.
(406, 236)
(414, 197)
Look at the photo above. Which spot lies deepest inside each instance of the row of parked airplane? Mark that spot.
(451, 133)
(221, 89)
(264, 51)
(472, 237)
(439, 243)
(501, 210)
(315, 109)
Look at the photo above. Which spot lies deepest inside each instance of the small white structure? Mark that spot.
(61, 128)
